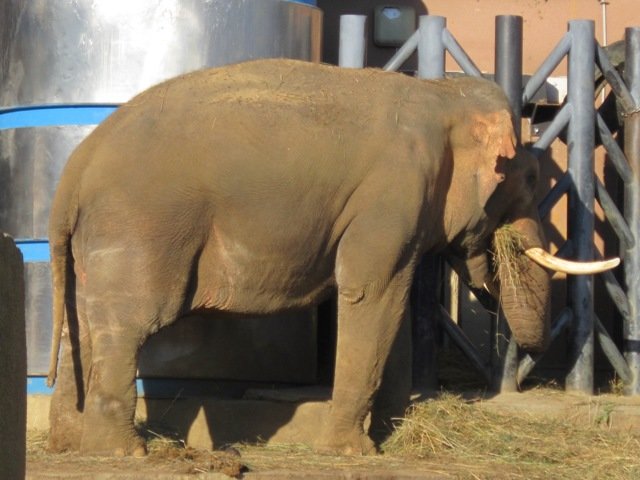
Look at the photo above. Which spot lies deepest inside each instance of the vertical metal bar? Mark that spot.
(632, 210)
(508, 68)
(430, 65)
(581, 135)
(431, 51)
(351, 52)
(508, 62)
(425, 310)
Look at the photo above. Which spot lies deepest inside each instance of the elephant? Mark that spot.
(270, 185)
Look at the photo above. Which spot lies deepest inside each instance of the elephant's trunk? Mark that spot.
(525, 286)
(526, 306)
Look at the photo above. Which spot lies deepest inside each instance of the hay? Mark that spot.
(455, 431)
(508, 261)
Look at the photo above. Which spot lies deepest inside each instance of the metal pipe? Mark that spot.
(508, 62)
(556, 126)
(508, 74)
(615, 80)
(546, 68)
(614, 152)
(581, 142)
(462, 341)
(424, 303)
(431, 50)
(616, 219)
(631, 329)
(504, 359)
(605, 40)
(529, 362)
(616, 292)
(555, 194)
(611, 352)
(459, 55)
(403, 53)
(352, 47)
(431, 65)
(603, 4)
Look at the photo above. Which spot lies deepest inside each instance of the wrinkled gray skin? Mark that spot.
(266, 186)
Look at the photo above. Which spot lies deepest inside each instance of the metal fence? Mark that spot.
(580, 119)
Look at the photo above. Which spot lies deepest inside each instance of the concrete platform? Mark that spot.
(297, 415)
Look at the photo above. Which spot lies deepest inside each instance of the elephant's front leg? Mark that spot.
(367, 327)
(374, 267)
(393, 396)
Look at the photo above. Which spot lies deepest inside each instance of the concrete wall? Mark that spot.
(13, 362)
(472, 23)
(544, 23)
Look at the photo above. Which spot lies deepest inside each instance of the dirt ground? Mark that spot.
(253, 462)
(264, 462)
(606, 416)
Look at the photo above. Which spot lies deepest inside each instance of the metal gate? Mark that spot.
(579, 182)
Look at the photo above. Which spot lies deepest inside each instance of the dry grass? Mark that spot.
(453, 431)
(507, 254)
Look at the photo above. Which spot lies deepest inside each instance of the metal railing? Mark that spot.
(580, 118)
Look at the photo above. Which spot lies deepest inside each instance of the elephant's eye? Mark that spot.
(532, 180)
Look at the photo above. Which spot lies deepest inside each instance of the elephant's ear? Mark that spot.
(494, 131)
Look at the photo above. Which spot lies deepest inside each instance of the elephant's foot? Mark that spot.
(65, 422)
(64, 436)
(108, 428)
(356, 443)
(106, 442)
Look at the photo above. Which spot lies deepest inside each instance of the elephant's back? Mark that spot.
(282, 88)
(254, 121)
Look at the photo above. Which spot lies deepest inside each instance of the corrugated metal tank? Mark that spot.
(104, 52)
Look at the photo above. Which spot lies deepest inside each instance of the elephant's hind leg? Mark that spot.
(120, 321)
(67, 402)
(108, 426)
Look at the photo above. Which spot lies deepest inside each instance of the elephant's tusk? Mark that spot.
(551, 262)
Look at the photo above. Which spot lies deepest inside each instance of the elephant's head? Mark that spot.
(495, 207)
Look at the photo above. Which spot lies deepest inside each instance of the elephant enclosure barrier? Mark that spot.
(13, 362)
(580, 118)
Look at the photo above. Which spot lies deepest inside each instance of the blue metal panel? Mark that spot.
(34, 250)
(38, 386)
(147, 387)
(54, 115)
(37, 250)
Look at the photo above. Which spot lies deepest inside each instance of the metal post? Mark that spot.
(632, 210)
(431, 51)
(351, 53)
(508, 62)
(581, 136)
(425, 311)
(508, 68)
(430, 65)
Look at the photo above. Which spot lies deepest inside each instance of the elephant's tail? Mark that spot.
(64, 214)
